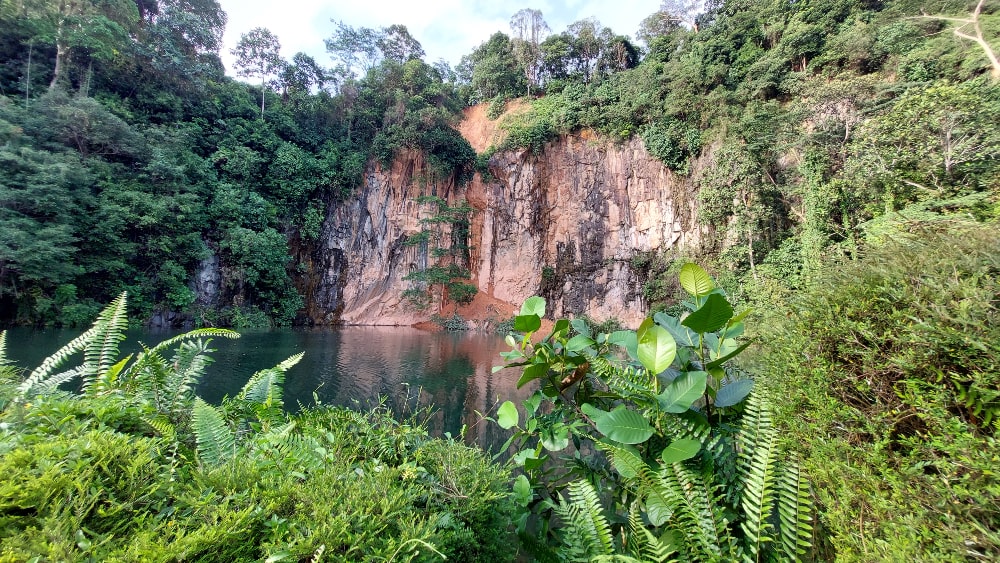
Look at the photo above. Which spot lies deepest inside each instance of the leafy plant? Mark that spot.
(672, 452)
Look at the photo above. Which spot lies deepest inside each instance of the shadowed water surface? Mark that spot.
(350, 366)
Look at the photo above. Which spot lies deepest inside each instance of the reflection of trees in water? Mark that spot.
(354, 366)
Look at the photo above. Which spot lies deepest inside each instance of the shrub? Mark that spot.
(890, 371)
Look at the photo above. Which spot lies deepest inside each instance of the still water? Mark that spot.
(350, 366)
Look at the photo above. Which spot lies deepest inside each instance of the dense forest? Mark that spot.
(845, 157)
(130, 158)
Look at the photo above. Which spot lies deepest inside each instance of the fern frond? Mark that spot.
(643, 544)
(795, 511)
(51, 363)
(697, 513)
(163, 427)
(756, 423)
(215, 442)
(586, 531)
(264, 390)
(3, 349)
(182, 375)
(625, 381)
(101, 351)
(155, 355)
(758, 494)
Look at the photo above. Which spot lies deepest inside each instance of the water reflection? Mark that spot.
(350, 366)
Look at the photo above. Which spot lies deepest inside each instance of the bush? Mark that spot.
(890, 369)
(135, 467)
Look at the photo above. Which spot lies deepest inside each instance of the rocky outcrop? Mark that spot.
(568, 220)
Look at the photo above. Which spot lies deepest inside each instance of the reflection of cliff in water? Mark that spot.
(411, 369)
(350, 366)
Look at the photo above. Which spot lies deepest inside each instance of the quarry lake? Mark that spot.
(350, 366)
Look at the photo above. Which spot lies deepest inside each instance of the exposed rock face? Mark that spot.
(568, 221)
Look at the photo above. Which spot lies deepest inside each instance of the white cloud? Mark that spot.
(447, 29)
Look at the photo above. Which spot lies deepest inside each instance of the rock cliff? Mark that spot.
(566, 223)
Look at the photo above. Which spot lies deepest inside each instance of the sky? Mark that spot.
(447, 29)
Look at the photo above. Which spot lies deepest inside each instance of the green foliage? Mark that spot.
(445, 236)
(665, 440)
(895, 410)
(138, 468)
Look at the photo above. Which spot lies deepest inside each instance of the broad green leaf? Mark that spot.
(733, 393)
(681, 450)
(656, 348)
(695, 280)
(555, 439)
(532, 463)
(531, 373)
(734, 330)
(682, 334)
(533, 306)
(524, 455)
(559, 328)
(711, 316)
(719, 361)
(625, 426)
(579, 342)
(683, 391)
(507, 416)
(621, 337)
(527, 323)
(593, 412)
(496, 369)
(531, 403)
(581, 326)
(522, 491)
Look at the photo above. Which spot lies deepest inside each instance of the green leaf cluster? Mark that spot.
(672, 455)
(136, 467)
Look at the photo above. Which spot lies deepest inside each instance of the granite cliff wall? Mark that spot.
(566, 223)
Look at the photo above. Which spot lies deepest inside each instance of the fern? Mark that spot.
(643, 544)
(215, 441)
(795, 512)
(263, 391)
(587, 533)
(3, 349)
(625, 381)
(101, 351)
(38, 376)
(758, 493)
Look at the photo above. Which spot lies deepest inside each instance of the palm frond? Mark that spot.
(215, 442)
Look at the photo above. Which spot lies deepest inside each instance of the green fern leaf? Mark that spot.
(101, 351)
(51, 363)
(795, 512)
(216, 443)
(758, 495)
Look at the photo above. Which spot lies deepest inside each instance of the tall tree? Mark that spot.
(396, 44)
(258, 53)
(684, 11)
(356, 49)
(529, 30)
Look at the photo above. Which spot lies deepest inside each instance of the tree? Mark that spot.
(495, 73)
(684, 11)
(976, 37)
(258, 53)
(529, 30)
(356, 49)
(396, 44)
